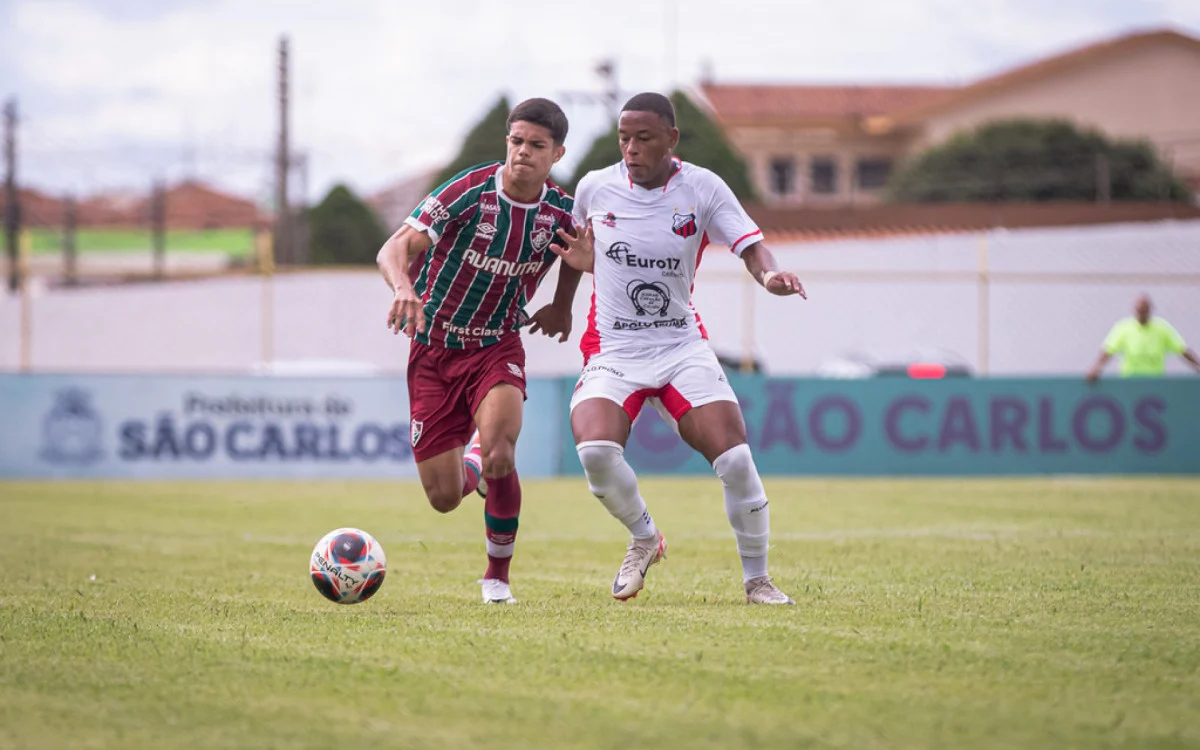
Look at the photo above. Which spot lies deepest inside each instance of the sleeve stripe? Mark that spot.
(756, 233)
(421, 226)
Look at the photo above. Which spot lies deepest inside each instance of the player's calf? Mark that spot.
(747, 508)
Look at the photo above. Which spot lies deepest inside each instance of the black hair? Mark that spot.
(541, 112)
(652, 102)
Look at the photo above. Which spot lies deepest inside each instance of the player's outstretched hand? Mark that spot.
(406, 312)
(551, 321)
(577, 250)
(784, 283)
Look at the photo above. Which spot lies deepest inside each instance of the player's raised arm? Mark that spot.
(406, 309)
(760, 262)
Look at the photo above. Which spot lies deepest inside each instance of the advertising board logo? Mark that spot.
(72, 431)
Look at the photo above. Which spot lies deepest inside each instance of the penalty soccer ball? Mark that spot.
(347, 566)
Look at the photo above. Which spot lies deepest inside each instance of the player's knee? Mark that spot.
(599, 457)
(443, 496)
(499, 459)
(602, 462)
(736, 466)
(444, 500)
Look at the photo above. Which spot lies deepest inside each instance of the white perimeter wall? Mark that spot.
(1045, 325)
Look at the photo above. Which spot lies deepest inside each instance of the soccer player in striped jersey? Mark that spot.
(644, 223)
(462, 269)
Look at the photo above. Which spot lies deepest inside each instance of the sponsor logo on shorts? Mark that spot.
(515, 369)
(471, 332)
(417, 428)
(594, 369)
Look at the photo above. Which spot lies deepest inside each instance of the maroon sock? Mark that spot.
(501, 509)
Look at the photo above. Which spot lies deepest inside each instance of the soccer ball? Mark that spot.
(348, 566)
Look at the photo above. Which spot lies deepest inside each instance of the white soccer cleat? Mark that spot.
(639, 556)
(761, 591)
(496, 591)
(473, 458)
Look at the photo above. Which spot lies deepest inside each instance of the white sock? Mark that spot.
(500, 550)
(612, 481)
(753, 567)
(747, 508)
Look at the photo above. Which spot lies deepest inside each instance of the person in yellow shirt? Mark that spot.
(1143, 343)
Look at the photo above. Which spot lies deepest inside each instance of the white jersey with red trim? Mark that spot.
(648, 247)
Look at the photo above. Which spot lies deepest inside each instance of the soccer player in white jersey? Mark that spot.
(642, 226)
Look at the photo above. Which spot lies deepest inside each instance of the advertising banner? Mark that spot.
(900, 426)
(156, 426)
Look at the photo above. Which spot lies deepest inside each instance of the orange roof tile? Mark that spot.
(782, 104)
(1039, 69)
(759, 104)
(792, 225)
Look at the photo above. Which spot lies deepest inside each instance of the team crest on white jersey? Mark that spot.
(684, 225)
(541, 238)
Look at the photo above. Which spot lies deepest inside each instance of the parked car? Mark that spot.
(922, 364)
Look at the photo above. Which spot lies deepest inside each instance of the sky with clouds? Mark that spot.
(115, 93)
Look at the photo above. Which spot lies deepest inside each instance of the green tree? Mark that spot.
(1035, 160)
(343, 229)
(604, 152)
(701, 142)
(484, 143)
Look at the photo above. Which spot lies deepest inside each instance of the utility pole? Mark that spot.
(300, 227)
(12, 212)
(70, 243)
(609, 96)
(283, 224)
(158, 227)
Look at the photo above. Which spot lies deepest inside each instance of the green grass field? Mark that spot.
(234, 242)
(970, 614)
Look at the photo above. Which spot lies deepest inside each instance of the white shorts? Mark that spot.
(672, 379)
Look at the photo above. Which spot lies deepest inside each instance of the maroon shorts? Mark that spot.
(446, 386)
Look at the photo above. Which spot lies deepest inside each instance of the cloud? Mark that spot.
(382, 88)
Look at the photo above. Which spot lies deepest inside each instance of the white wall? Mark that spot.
(1040, 326)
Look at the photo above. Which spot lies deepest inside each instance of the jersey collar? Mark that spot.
(503, 195)
(674, 160)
